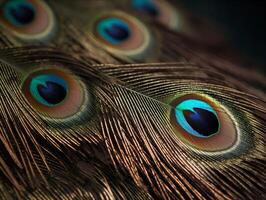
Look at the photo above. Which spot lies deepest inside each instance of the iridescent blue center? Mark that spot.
(48, 89)
(197, 117)
(113, 30)
(19, 12)
(146, 6)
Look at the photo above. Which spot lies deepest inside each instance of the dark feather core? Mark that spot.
(147, 7)
(113, 30)
(52, 92)
(197, 118)
(19, 13)
(117, 32)
(203, 121)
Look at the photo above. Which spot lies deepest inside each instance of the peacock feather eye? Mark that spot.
(48, 89)
(113, 30)
(29, 20)
(197, 118)
(54, 93)
(202, 123)
(162, 11)
(19, 13)
(123, 35)
(147, 6)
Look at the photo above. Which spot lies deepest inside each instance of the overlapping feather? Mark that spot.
(122, 144)
(132, 127)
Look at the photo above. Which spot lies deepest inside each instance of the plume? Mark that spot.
(50, 27)
(139, 39)
(121, 135)
(82, 118)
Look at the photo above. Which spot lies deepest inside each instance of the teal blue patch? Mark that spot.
(41, 80)
(18, 12)
(147, 6)
(113, 30)
(190, 105)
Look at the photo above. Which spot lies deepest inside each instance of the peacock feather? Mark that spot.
(173, 15)
(149, 123)
(82, 119)
(122, 33)
(43, 25)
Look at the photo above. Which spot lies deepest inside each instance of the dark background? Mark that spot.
(243, 22)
